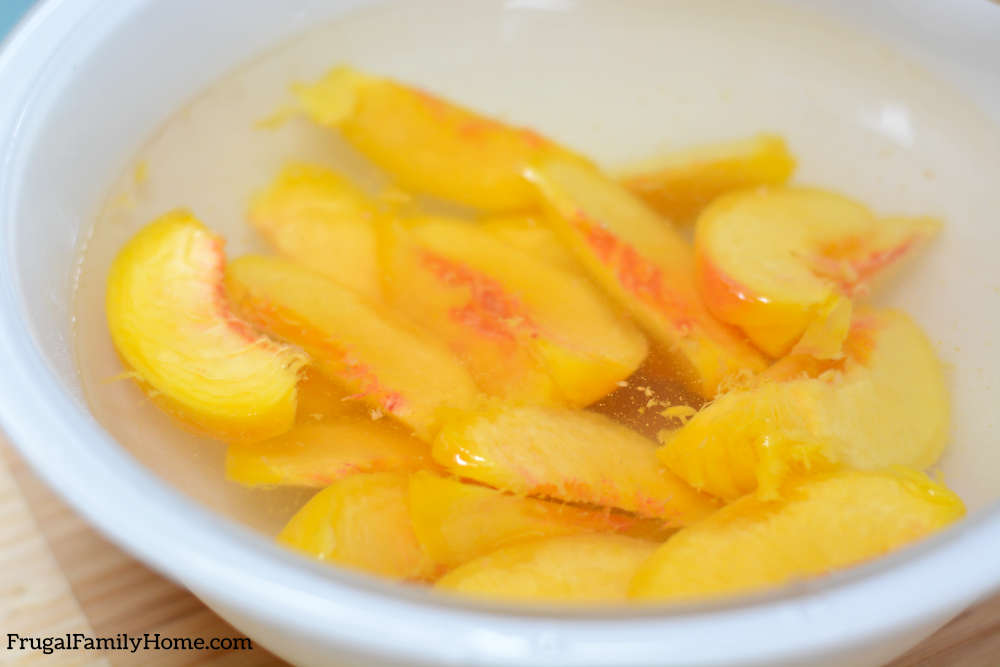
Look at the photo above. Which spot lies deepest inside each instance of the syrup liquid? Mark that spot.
(619, 81)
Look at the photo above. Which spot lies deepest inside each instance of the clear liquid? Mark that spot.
(619, 81)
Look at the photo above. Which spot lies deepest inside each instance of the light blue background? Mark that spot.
(10, 12)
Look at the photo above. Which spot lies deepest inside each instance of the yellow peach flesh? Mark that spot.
(571, 455)
(679, 185)
(316, 217)
(530, 234)
(824, 522)
(173, 327)
(578, 568)
(376, 356)
(648, 268)
(778, 261)
(428, 144)
(528, 331)
(320, 399)
(316, 454)
(456, 522)
(885, 404)
(361, 522)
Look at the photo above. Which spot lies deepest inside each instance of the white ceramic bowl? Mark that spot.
(84, 82)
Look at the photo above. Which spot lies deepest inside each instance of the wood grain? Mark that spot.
(58, 575)
(65, 577)
(36, 598)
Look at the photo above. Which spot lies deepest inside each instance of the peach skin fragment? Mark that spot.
(884, 404)
(376, 356)
(173, 327)
(571, 455)
(576, 568)
(361, 522)
(783, 263)
(823, 523)
(679, 185)
(428, 144)
(529, 332)
(316, 217)
(646, 267)
(456, 521)
(319, 453)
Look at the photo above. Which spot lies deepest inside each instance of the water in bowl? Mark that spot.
(618, 81)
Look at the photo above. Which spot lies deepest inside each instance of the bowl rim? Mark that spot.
(227, 563)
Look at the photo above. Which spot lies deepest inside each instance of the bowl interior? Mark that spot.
(895, 113)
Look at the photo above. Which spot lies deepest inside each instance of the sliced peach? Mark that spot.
(324, 399)
(747, 441)
(319, 453)
(572, 455)
(679, 185)
(884, 404)
(320, 399)
(648, 268)
(783, 262)
(316, 217)
(361, 522)
(530, 234)
(173, 327)
(456, 522)
(428, 144)
(485, 324)
(825, 522)
(376, 356)
(528, 331)
(576, 568)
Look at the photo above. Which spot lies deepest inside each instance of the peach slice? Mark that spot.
(428, 144)
(885, 404)
(679, 185)
(781, 263)
(571, 455)
(173, 327)
(530, 234)
(576, 568)
(647, 267)
(361, 522)
(321, 399)
(448, 518)
(377, 357)
(319, 453)
(824, 523)
(529, 332)
(316, 217)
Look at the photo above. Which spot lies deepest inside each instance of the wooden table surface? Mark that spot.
(57, 575)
